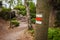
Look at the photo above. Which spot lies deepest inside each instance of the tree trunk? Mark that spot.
(41, 30)
(28, 14)
(52, 18)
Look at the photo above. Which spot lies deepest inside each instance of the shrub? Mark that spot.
(23, 12)
(15, 22)
(54, 34)
(22, 9)
(7, 14)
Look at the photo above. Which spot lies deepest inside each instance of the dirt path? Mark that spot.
(11, 34)
(17, 33)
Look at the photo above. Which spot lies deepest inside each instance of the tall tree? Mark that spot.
(41, 29)
(55, 6)
(28, 13)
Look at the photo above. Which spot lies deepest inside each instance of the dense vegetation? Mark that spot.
(22, 9)
(32, 12)
(54, 34)
(5, 13)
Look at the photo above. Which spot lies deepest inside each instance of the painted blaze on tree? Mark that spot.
(39, 18)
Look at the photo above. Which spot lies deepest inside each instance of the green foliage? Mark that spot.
(21, 8)
(33, 20)
(54, 34)
(6, 9)
(32, 7)
(23, 12)
(32, 11)
(15, 22)
(5, 13)
(19, 2)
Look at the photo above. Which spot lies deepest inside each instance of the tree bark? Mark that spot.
(41, 30)
(52, 18)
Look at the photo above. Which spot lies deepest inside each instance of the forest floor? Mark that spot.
(17, 33)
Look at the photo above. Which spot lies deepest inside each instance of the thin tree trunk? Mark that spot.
(41, 30)
(28, 14)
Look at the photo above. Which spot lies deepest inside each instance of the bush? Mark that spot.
(4, 15)
(22, 9)
(54, 34)
(23, 12)
(7, 14)
(15, 22)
